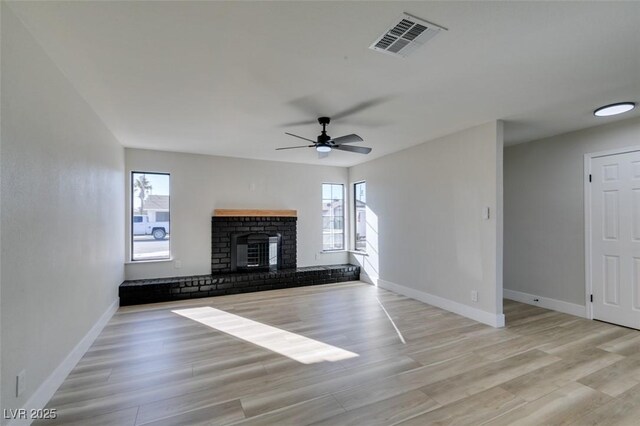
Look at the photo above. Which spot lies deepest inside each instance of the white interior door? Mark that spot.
(615, 238)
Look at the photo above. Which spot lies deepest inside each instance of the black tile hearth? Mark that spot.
(135, 292)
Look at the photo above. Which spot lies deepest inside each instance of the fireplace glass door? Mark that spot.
(255, 252)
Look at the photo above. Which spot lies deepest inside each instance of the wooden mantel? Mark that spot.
(255, 213)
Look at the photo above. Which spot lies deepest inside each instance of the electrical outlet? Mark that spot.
(177, 264)
(474, 296)
(21, 382)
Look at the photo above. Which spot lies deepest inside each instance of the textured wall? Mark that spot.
(62, 203)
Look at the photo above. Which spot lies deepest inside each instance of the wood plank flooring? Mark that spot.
(152, 366)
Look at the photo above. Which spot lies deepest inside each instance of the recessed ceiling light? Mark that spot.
(614, 109)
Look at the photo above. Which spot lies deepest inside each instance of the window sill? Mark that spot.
(362, 253)
(135, 262)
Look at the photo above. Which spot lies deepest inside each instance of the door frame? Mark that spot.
(587, 219)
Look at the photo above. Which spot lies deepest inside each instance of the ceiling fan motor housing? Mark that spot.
(324, 138)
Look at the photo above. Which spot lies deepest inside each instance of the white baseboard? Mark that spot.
(45, 391)
(546, 302)
(494, 320)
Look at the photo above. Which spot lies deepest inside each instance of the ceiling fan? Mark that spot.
(325, 143)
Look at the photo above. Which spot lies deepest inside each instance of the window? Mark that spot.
(150, 230)
(360, 210)
(332, 216)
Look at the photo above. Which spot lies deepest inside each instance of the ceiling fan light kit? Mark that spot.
(324, 143)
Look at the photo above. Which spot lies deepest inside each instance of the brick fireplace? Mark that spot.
(253, 240)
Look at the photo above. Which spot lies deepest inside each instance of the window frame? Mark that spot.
(355, 217)
(344, 225)
(132, 214)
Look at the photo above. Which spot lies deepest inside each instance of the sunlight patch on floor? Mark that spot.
(291, 345)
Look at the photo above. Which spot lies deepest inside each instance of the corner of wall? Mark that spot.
(499, 216)
(493, 319)
(461, 186)
(2, 6)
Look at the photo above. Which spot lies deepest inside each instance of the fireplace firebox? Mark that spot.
(255, 252)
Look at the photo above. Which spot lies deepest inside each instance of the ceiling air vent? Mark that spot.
(405, 35)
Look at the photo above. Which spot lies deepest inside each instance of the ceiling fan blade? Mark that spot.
(358, 149)
(322, 155)
(300, 137)
(313, 106)
(295, 147)
(310, 106)
(360, 107)
(299, 123)
(347, 139)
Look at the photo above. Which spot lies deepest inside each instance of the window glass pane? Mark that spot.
(326, 192)
(326, 208)
(360, 209)
(150, 225)
(336, 192)
(162, 216)
(338, 240)
(332, 216)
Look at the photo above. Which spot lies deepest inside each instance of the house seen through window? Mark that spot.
(150, 216)
(332, 216)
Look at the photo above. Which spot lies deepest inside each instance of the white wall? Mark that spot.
(61, 220)
(1, 405)
(202, 183)
(426, 235)
(544, 210)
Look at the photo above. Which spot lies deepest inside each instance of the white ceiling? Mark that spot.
(225, 78)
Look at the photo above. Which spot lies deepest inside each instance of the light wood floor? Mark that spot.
(152, 366)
